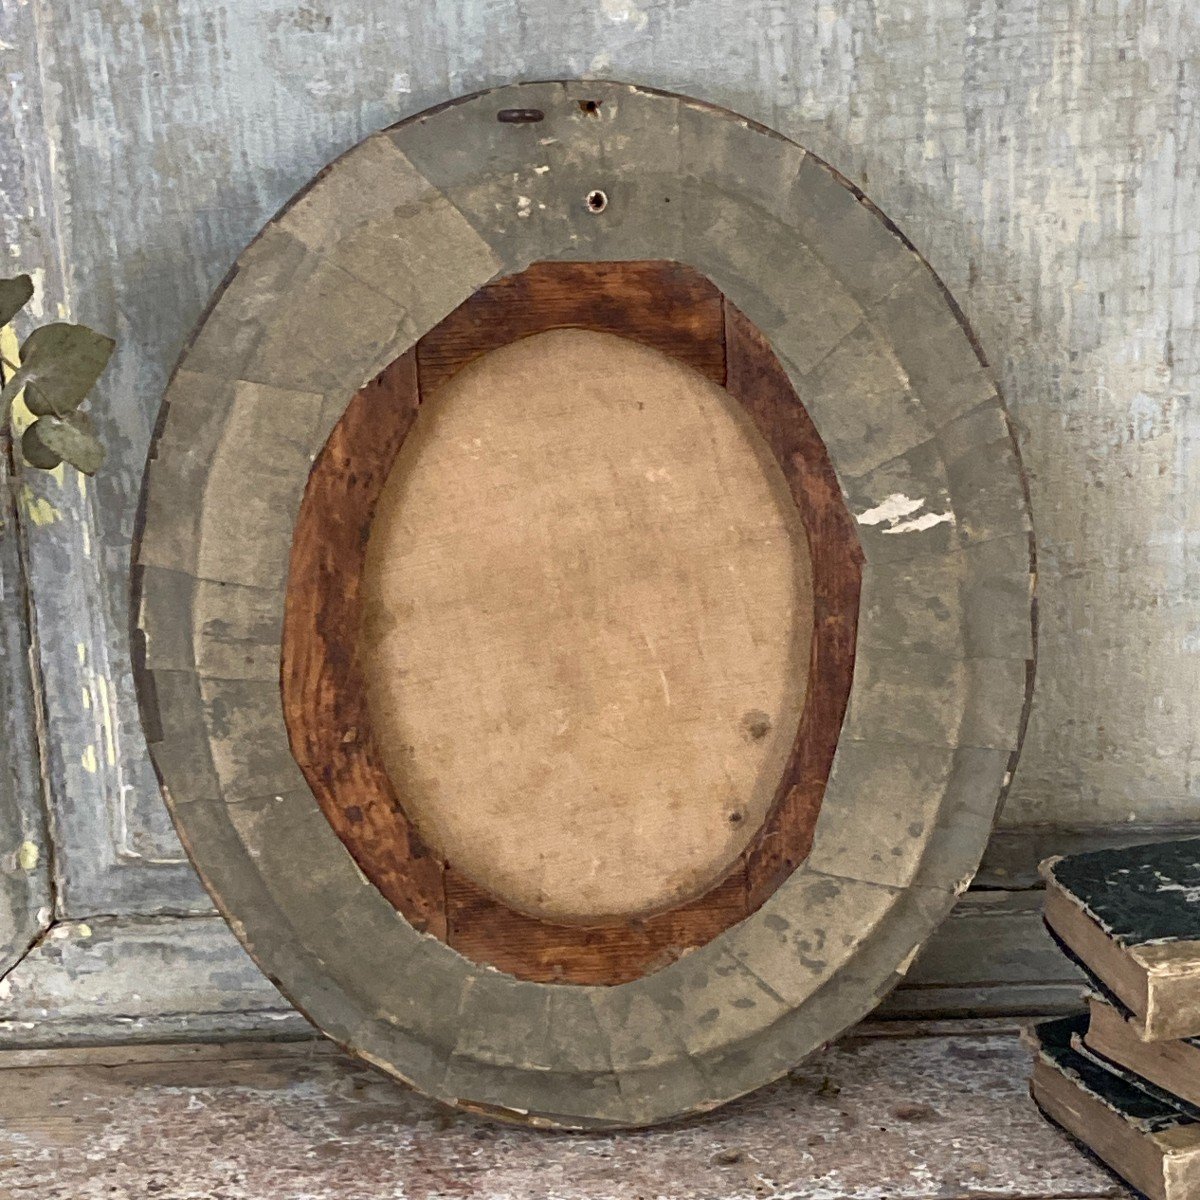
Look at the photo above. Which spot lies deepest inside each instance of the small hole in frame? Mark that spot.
(520, 116)
(597, 201)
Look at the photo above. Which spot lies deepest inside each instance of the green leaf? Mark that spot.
(67, 439)
(35, 453)
(14, 295)
(59, 365)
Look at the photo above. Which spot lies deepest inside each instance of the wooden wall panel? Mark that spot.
(159, 145)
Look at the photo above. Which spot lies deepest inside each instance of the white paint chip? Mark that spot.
(897, 505)
(896, 508)
(926, 521)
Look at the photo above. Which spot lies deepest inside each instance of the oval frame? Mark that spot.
(377, 250)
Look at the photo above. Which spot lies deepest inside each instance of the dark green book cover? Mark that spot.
(1138, 894)
(1145, 1111)
(1187, 1109)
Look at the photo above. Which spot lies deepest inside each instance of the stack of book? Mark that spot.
(1124, 1078)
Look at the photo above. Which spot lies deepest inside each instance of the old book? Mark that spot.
(1132, 917)
(1148, 1141)
(1172, 1065)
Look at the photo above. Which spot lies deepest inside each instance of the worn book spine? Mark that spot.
(1172, 1065)
(1150, 1141)
(1129, 1075)
(1132, 917)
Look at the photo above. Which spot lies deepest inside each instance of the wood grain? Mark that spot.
(676, 311)
(324, 697)
(663, 305)
(756, 378)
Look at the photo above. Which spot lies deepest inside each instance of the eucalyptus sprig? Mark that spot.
(58, 366)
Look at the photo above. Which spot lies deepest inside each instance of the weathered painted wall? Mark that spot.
(1044, 155)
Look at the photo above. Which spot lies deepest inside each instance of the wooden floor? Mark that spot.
(891, 1112)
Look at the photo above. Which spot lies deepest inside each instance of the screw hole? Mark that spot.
(520, 116)
(596, 201)
(591, 107)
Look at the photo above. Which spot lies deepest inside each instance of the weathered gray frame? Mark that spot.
(380, 248)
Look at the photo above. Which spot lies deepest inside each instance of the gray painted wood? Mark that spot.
(169, 979)
(114, 850)
(25, 899)
(25, 894)
(1044, 155)
(906, 1116)
(155, 979)
(992, 956)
